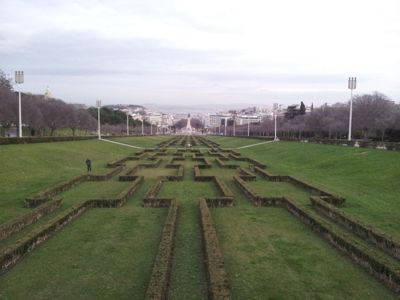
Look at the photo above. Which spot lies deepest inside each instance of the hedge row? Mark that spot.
(237, 157)
(160, 276)
(199, 177)
(48, 193)
(256, 163)
(219, 202)
(178, 176)
(335, 200)
(372, 262)
(226, 192)
(246, 175)
(366, 232)
(153, 164)
(121, 198)
(218, 284)
(254, 198)
(15, 225)
(225, 166)
(47, 139)
(155, 188)
(353, 143)
(11, 255)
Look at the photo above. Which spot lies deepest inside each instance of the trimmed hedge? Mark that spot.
(15, 225)
(154, 164)
(226, 192)
(335, 200)
(48, 193)
(160, 276)
(121, 198)
(366, 232)
(44, 139)
(217, 277)
(372, 262)
(11, 255)
(247, 175)
(219, 202)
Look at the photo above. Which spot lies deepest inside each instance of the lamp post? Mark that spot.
(98, 103)
(142, 119)
(352, 84)
(127, 124)
(248, 126)
(19, 79)
(225, 125)
(151, 128)
(234, 125)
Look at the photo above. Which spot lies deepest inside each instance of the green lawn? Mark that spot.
(367, 178)
(269, 254)
(108, 253)
(27, 169)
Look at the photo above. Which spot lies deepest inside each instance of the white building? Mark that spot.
(245, 119)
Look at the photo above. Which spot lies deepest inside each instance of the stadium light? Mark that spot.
(352, 84)
(234, 125)
(127, 124)
(19, 79)
(248, 126)
(98, 104)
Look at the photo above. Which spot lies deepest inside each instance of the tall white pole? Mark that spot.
(248, 127)
(127, 124)
(275, 137)
(19, 112)
(142, 126)
(151, 128)
(98, 102)
(225, 127)
(352, 84)
(234, 125)
(19, 79)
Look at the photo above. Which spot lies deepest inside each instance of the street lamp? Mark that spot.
(352, 84)
(248, 126)
(142, 119)
(19, 79)
(234, 125)
(127, 124)
(225, 125)
(98, 104)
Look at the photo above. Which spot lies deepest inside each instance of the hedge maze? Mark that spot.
(212, 176)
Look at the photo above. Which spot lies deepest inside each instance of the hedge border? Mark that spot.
(218, 283)
(366, 232)
(328, 197)
(161, 273)
(13, 226)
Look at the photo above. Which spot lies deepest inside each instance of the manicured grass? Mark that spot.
(367, 178)
(141, 141)
(105, 254)
(270, 255)
(233, 142)
(280, 189)
(109, 253)
(188, 279)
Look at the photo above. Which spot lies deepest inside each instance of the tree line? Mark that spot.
(43, 116)
(375, 117)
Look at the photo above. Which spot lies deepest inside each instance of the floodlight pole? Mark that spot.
(19, 79)
(98, 103)
(352, 84)
(127, 124)
(225, 126)
(248, 126)
(234, 125)
(275, 116)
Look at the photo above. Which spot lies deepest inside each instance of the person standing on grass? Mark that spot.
(89, 165)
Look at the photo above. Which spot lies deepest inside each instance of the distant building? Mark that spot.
(245, 119)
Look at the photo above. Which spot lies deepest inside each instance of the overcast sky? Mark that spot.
(202, 52)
